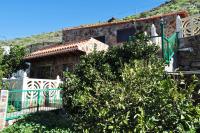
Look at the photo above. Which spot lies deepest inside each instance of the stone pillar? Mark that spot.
(179, 27)
(3, 107)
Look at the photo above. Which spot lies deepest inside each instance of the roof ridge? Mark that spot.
(182, 12)
(62, 44)
(59, 49)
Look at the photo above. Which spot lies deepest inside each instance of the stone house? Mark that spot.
(117, 32)
(52, 60)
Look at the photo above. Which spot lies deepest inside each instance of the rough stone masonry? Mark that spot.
(3, 107)
(110, 32)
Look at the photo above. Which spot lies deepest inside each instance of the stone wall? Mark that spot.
(38, 46)
(56, 64)
(189, 55)
(3, 107)
(109, 30)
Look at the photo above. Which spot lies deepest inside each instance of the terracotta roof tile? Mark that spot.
(181, 13)
(59, 49)
(64, 48)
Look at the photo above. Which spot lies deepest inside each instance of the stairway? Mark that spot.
(188, 55)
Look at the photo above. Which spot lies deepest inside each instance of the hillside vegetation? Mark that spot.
(192, 6)
(35, 39)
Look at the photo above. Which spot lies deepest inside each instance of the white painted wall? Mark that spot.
(6, 50)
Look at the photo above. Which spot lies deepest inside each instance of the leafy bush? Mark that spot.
(14, 61)
(1, 71)
(48, 122)
(126, 89)
(11, 109)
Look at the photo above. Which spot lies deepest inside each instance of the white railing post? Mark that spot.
(58, 83)
(58, 80)
(153, 33)
(24, 87)
(179, 27)
(155, 39)
(24, 81)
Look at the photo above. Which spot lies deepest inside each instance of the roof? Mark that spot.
(180, 13)
(85, 46)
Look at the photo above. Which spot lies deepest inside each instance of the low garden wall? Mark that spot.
(25, 95)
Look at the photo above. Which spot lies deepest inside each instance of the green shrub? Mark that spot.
(126, 89)
(1, 71)
(44, 122)
(13, 61)
(11, 109)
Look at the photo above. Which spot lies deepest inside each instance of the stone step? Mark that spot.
(189, 65)
(195, 64)
(189, 49)
(197, 72)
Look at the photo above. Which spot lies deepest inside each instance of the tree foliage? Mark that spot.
(10, 63)
(41, 122)
(126, 89)
(1, 59)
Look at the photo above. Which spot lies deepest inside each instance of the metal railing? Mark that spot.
(169, 44)
(169, 47)
(24, 102)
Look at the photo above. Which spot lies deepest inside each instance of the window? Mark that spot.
(44, 72)
(101, 38)
(124, 34)
(67, 67)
